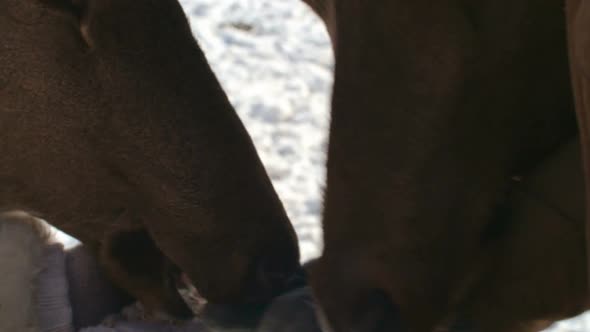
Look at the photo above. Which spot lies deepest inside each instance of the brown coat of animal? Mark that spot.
(436, 106)
(578, 18)
(534, 274)
(114, 128)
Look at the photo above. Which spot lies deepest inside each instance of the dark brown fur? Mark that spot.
(534, 273)
(114, 128)
(436, 106)
(578, 28)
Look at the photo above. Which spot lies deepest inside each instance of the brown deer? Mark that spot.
(114, 129)
(437, 107)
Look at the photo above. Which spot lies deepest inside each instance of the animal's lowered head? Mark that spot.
(111, 121)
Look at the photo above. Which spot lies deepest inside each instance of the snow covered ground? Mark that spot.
(274, 60)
